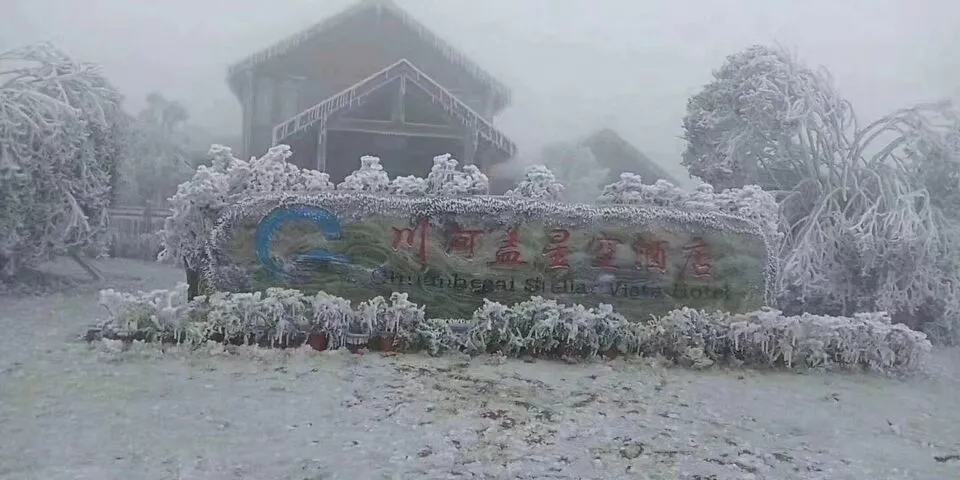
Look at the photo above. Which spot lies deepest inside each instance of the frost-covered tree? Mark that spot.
(753, 123)
(538, 183)
(370, 178)
(61, 138)
(869, 214)
(577, 169)
(158, 159)
(200, 201)
(872, 235)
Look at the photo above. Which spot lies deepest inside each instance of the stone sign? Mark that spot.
(451, 253)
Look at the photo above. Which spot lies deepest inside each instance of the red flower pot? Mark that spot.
(387, 343)
(318, 341)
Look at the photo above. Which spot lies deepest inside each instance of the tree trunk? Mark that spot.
(193, 281)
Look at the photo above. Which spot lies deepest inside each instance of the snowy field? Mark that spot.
(69, 410)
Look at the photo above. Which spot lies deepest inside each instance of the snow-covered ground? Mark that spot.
(69, 410)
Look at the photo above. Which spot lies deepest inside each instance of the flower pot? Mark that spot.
(318, 341)
(387, 343)
(356, 341)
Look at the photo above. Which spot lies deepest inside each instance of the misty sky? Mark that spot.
(574, 65)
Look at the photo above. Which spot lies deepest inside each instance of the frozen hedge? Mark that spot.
(539, 327)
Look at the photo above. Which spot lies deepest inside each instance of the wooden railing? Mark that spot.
(358, 93)
(134, 231)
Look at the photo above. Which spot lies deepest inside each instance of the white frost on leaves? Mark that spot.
(199, 202)
(750, 202)
(408, 186)
(630, 189)
(62, 134)
(537, 326)
(747, 125)
(538, 183)
(444, 178)
(370, 178)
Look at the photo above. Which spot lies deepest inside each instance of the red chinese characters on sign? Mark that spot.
(606, 248)
(406, 238)
(509, 254)
(464, 242)
(698, 258)
(558, 250)
(652, 255)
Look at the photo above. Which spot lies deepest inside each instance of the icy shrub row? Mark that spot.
(538, 327)
(200, 201)
(750, 202)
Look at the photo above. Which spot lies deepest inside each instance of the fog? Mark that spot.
(574, 65)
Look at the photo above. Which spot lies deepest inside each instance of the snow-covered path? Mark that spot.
(73, 411)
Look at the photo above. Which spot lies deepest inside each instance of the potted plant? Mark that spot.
(332, 318)
(363, 324)
(395, 322)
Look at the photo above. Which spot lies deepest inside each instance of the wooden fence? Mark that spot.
(134, 231)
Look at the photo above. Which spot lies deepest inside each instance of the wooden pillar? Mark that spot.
(322, 146)
(397, 113)
(470, 148)
(246, 92)
(487, 112)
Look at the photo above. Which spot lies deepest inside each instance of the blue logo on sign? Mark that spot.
(271, 224)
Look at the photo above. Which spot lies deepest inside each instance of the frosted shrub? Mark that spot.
(631, 190)
(444, 178)
(408, 186)
(627, 190)
(153, 315)
(200, 201)
(538, 183)
(750, 202)
(434, 336)
(370, 315)
(537, 322)
(370, 178)
(537, 326)
(397, 317)
(491, 325)
(289, 312)
(332, 315)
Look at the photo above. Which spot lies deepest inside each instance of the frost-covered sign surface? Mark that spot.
(451, 253)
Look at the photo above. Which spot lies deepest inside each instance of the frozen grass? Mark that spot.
(69, 410)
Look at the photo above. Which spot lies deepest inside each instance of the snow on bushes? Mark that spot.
(200, 201)
(444, 179)
(538, 183)
(283, 317)
(370, 178)
(62, 134)
(750, 202)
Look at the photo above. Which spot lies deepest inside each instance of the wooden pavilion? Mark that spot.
(370, 80)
